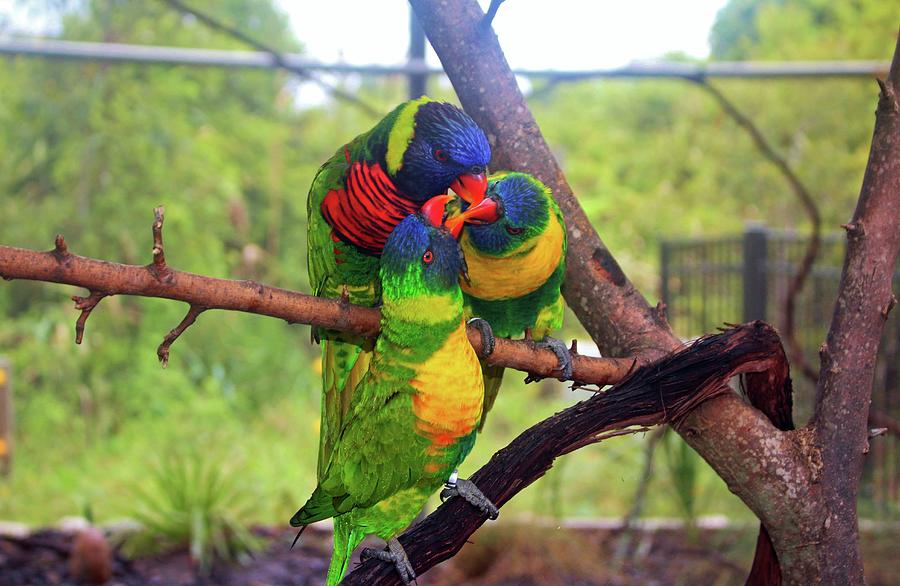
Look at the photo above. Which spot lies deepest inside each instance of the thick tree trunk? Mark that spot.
(780, 475)
(848, 355)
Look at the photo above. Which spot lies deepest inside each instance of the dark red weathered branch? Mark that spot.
(157, 279)
(664, 392)
(849, 353)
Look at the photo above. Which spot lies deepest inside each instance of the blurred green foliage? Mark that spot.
(90, 149)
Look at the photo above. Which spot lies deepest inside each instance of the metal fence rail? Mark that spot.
(708, 282)
(128, 53)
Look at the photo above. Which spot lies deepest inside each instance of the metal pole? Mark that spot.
(418, 81)
(117, 52)
(755, 276)
(665, 260)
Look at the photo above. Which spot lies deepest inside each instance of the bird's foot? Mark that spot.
(467, 490)
(563, 355)
(487, 335)
(395, 555)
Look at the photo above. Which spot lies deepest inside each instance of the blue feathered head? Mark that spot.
(525, 205)
(446, 149)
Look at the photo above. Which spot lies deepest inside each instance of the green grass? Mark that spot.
(195, 499)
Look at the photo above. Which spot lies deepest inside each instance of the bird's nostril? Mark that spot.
(477, 170)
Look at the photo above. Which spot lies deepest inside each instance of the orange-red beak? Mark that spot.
(433, 209)
(470, 187)
(484, 212)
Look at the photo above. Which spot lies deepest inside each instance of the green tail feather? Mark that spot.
(346, 538)
(345, 359)
(493, 377)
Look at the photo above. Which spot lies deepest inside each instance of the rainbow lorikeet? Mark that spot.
(516, 267)
(359, 195)
(412, 419)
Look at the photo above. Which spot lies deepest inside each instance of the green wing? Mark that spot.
(345, 357)
(359, 472)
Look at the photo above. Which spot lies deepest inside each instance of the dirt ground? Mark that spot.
(514, 554)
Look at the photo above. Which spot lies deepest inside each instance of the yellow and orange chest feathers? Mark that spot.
(449, 393)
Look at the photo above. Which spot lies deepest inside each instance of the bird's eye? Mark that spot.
(513, 231)
(427, 257)
(441, 155)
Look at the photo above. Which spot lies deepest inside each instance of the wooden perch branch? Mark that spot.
(157, 279)
(663, 392)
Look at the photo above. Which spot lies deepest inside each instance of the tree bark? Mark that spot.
(780, 475)
(848, 355)
(614, 313)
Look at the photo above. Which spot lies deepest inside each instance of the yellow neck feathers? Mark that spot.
(523, 270)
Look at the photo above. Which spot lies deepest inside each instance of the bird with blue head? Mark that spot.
(516, 266)
(412, 418)
(419, 150)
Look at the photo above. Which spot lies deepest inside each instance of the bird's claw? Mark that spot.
(471, 494)
(559, 348)
(488, 341)
(563, 355)
(396, 555)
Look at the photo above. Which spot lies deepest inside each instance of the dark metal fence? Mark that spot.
(708, 282)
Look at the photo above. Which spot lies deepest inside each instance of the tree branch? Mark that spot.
(614, 313)
(728, 433)
(798, 359)
(157, 279)
(162, 352)
(848, 355)
(664, 392)
(277, 58)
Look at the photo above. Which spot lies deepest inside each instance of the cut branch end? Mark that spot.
(60, 246)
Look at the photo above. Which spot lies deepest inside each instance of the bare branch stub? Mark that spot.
(86, 305)
(163, 351)
(159, 268)
(60, 247)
